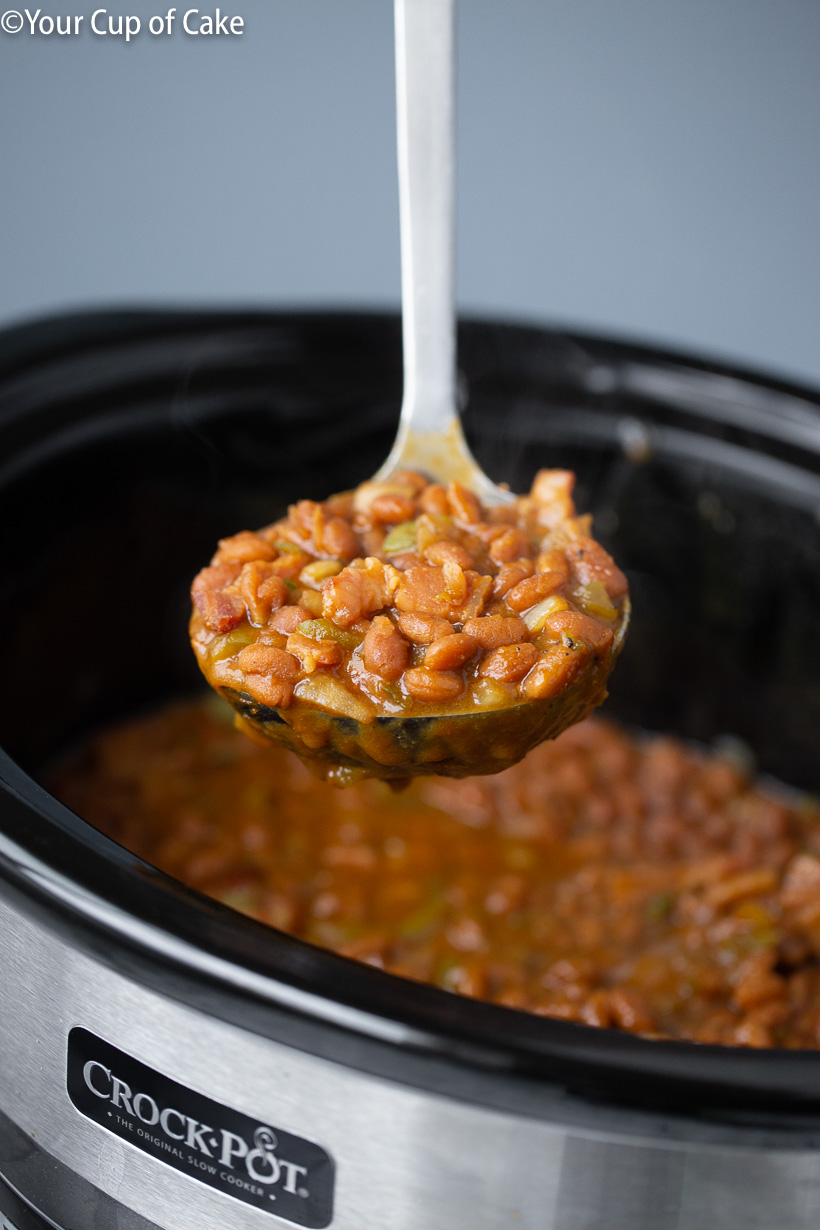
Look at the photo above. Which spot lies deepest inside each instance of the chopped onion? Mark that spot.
(331, 694)
(537, 615)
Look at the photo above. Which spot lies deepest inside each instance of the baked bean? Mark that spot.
(312, 653)
(434, 502)
(463, 504)
(340, 505)
(434, 687)
(465, 978)
(509, 575)
(509, 545)
(597, 1010)
(289, 564)
(448, 553)
(576, 969)
(556, 1010)
(553, 560)
(629, 1011)
(801, 881)
(338, 539)
(265, 660)
(450, 652)
(242, 548)
(505, 895)
(303, 516)
(751, 1033)
(466, 935)
(555, 670)
(393, 508)
(509, 663)
(486, 532)
(552, 491)
(493, 631)
(504, 514)
(216, 576)
(531, 590)
(590, 562)
(269, 690)
(413, 479)
(745, 884)
(423, 629)
(367, 494)
(385, 651)
(756, 983)
(574, 625)
(288, 618)
(423, 591)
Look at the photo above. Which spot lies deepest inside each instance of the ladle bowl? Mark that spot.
(342, 749)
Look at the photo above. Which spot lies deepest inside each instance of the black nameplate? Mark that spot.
(251, 1161)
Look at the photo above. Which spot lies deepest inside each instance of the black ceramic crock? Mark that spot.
(166, 1062)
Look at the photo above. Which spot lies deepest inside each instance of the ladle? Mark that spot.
(430, 439)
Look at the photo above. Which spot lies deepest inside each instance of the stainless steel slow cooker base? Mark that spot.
(404, 1159)
(167, 1063)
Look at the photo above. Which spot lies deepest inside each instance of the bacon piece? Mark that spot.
(361, 589)
(220, 611)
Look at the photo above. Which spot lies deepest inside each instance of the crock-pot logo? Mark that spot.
(226, 1148)
(269, 1168)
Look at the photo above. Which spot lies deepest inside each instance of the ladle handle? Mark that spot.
(425, 103)
(430, 438)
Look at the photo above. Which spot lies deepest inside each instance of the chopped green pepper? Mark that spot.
(659, 907)
(424, 919)
(229, 643)
(324, 630)
(401, 538)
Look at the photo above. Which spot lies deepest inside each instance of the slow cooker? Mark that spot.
(169, 1063)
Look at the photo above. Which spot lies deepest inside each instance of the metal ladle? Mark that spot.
(430, 439)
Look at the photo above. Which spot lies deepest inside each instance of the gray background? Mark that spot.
(640, 166)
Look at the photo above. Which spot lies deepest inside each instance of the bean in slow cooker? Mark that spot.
(617, 881)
